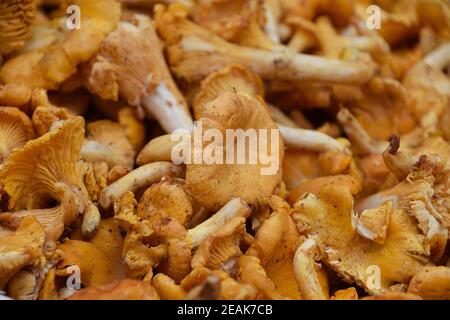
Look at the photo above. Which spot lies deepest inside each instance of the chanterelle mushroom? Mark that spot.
(213, 185)
(50, 64)
(15, 130)
(130, 64)
(46, 169)
(23, 247)
(327, 218)
(195, 52)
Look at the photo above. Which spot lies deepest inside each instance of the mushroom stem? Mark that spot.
(439, 58)
(139, 178)
(93, 151)
(158, 149)
(164, 106)
(312, 284)
(398, 162)
(309, 140)
(234, 208)
(358, 134)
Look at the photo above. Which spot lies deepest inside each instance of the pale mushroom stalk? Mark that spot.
(195, 52)
(234, 208)
(309, 140)
(131, 65)
(158, 149)
(167, 109)
(358, 134)
(284, 64)
(310, 282)
(398, 162)
(93, 151)
(139, 178)
(439, 58)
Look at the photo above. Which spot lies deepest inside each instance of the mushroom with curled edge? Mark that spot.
(275, 245)
(130, 65)
(423, 194)
(20, 248)
(327, 218)
(50, 64)
(311, 278)
(195, 52)
(46, 169)
(237, 169)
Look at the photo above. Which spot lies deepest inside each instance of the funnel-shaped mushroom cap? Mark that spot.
(16, 129)
(23, 247)
(213, 185)
(16, 17)
(32, 173)
(234, 78)
(50, 65)
(327, 218)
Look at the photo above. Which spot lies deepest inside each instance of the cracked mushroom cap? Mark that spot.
(275, 245)
(213, 185)
(33, 174)
(16, 130)
(218, 248)
(327, 218)
(112, 136)
(126, 289)
(234, 78)
(46, 117)
(168, 197)
(21, 248)
(17, 17)
(51, 64)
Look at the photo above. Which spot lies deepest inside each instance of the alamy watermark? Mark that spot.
(73, 20)
(236, 146)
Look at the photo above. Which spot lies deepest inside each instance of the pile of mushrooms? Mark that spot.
(349, 199)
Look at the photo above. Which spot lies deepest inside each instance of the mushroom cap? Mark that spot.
(114, 136)
(95, 266)
(168, 197)
(16, 130)
(31, 174)
(49, 66)
(23, 247)
(234, 78)
(327, 218)
(45, 117)
(126, 289)
(213, 185)
(167, 288)
(17, 17)
(431, 283)
(221, 246)
(275, 244)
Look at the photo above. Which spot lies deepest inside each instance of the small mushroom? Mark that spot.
(130, 65)
(20, 248)
(431, 283)
(138, 179)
